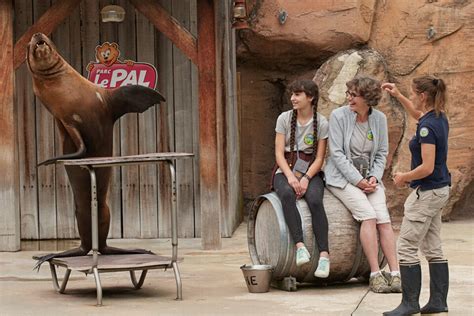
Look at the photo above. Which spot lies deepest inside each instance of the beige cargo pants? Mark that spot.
(421, 226)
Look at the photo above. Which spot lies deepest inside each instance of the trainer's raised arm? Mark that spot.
(392, 89)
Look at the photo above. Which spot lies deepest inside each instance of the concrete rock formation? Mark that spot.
(296, 39)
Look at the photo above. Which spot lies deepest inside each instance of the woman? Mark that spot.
(430, 181)
(358, 147)
(300, 146)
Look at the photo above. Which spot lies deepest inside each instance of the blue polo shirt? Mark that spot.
(431, 129)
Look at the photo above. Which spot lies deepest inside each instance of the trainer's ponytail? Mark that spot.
(435, 90)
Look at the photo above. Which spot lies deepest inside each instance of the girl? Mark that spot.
(300, 146)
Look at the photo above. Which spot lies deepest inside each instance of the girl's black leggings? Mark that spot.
(314, 198)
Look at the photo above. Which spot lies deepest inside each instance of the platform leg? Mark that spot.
(179, 290)
(138, 284)
(54, 276)
(98, 286)
(66, 278)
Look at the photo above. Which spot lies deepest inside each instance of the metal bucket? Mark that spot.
(257, 277)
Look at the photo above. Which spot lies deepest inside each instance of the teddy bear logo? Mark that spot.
(108, 54)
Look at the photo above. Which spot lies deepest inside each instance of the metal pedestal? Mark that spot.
(95, 263)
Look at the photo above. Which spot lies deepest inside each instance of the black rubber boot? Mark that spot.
(439, 284)
(411, 286)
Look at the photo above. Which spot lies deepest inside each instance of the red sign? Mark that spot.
(109, 72)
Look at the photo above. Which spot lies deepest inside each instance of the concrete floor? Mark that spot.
(213, 284)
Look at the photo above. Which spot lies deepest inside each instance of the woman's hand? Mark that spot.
(367, 186)
(295, 184)
(392, 89)
(400, 179)
(373, 185)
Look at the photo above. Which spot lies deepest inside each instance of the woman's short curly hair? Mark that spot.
(368, 88)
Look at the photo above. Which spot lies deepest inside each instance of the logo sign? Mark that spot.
(109, 72)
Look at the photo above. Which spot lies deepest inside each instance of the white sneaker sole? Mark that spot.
(321, 275)
(300, 263)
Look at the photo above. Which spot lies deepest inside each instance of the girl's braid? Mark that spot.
(315, 131)
(292, 136)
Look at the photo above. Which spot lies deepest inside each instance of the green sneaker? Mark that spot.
(378, 284)
(302, 256)
(323, 268)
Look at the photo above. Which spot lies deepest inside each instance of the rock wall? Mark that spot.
(411, 39)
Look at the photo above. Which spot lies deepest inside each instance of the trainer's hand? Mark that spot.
(391, 88)
(400, 179)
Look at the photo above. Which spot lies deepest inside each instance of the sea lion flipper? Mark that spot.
(76, 138)
(132, 99)
(75, 252)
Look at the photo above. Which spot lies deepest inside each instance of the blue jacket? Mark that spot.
(339, 169)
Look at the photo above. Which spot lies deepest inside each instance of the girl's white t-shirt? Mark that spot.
(303, 133)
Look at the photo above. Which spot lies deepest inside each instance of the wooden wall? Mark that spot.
(139, 196)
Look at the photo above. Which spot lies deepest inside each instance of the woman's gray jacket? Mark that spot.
(339, 169)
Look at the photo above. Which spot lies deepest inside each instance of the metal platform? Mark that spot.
(96, 263)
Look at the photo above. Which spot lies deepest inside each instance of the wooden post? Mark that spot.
(169, 26)
(9, 212)
(208, 163)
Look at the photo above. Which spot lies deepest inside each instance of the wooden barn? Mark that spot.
(191, 44)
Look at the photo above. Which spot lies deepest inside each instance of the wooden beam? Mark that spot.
(46, 24)
(208, 163)
(9, 212)
(169, 26)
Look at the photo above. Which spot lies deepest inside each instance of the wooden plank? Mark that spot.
(230, 188)
(183, 126)
(147, 137)
(89, 10)
(9, 214)
(165, 128)
(234, 166)
(221, 122)
(45, 150)
(210, 205)
(46, 24)
(26, 121)
(76, 62)
(195, 118)
(169, 26)
(65, 214)
(129, 134)
(109, 33)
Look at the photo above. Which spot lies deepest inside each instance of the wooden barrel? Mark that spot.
(270, 242)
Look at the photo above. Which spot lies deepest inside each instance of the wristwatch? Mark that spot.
(307, 177)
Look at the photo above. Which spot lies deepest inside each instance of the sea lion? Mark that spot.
(85, 114)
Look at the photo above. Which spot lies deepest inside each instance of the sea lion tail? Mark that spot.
(132, 99)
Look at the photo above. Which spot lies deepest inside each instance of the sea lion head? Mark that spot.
(42, 56)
